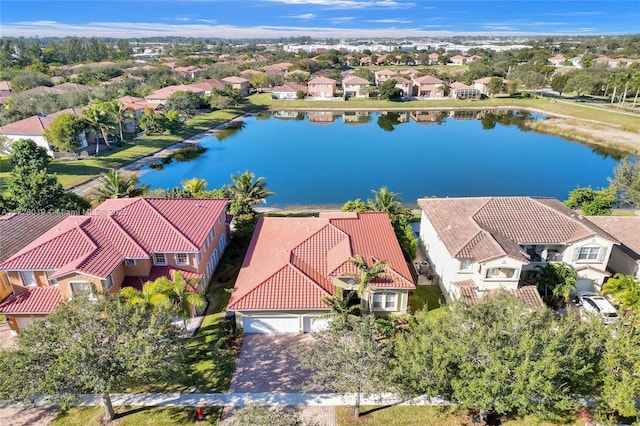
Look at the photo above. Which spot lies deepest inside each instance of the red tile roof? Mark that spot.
(39, 300)
(290, 261)
(355, 80)
(18, 230)
(427, 79)
(137, 281)
(118, 229)
(32, 126)
(322, 80)
(626, 229)
(485, 228)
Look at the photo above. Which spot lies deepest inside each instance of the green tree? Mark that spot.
(114, 184)
(246, 191)
(367, 274)
(560, 278)
(498, 354)
(260, 81)
(184, 103)
(558, 82)
(153, 296)
(33, 189)
(592, 202)
(98, 118)
(626, 181)
(91, 347)
(621, 368)
(184, 295)
(356, 205)
(64, 132)
(389, 91)
(340, 305)
(25, 153)
(119, 114)
(495, 86)
(349, 357)
(625, 290)
(386, 201)
(194, 187)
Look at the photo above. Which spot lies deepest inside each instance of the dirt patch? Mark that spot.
(590, 132)
(25, 416)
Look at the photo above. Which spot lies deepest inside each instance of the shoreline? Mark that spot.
(607, 135)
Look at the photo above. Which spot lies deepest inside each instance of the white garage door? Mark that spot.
(267, 324)
(584, 286)
(315, 324)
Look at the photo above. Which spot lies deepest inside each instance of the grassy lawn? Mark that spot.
(425, 416)
(426, 295)
(135, 416)
(565, 107)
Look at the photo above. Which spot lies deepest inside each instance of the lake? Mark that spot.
(327, 158)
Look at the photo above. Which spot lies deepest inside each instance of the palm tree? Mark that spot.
(246, 191)
(386, 201)
(367, 273)
(98, 118)
(184, 299)
(152, 296)
(116, 185)
(545, 276)
(625, 290)
(339, 305)
(635, 83)
(559, 277)
(118, 113)
(194, 186)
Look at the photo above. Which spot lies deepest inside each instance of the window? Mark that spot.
(182, 258)
(130, 262)
(465, 264)
(387, 301)
(588, 253)
(108, 283)
(85, 287)
(223, 242)
(159, 259)
(29, 279)
(507, 273)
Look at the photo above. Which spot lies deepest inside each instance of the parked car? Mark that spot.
(598, 305)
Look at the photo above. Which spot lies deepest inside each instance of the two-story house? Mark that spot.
(321, 87)
(479, 244)
(292, 262)
(625, 258)
(123, 242)
(355, 87)
(428, 87)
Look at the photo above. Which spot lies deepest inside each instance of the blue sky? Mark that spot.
(316, 18)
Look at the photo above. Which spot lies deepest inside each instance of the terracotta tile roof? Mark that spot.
(38, 300)
(322, 80)
(18, 230)
(427, 79)
(235, 79)
(118, 229)
(5, 86)
(460, 86)
(355, 80)
(290, 261)
(32, 126)
(166, 92)
(290, 87)
(209, 84)
(625, 229)
(530, 296)
(468, 291)
(485, 228)
(137, 281)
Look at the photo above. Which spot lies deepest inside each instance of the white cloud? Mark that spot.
(303, 16)
(350, 4)
(341, 19)
(390, 21)
(182, 19)
(209, 21)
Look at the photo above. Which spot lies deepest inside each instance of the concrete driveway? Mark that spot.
(266, 363)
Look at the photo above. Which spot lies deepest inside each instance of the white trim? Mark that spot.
(128, 262)
(178, 262)
(155, 262)
(24, 280)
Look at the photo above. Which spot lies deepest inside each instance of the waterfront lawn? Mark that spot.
(426, 416)
(135, 416)
(566, 107)
(75, 172)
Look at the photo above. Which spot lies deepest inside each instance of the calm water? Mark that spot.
(310, 162)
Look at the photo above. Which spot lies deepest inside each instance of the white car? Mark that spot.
(598, 305)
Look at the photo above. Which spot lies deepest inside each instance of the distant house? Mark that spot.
(292, 262)
(277, 69)
(189, 72)
(239, 83)
(462, 91)
(480, 244)
(434, 58)
(123, 242)
(136, 107)
(321, 87)
(404, 84)
(383, 75)
(209, 85)
(482, 84)
(355, 87)
(625, 258)
(458, 60)
(288, 91)
(428, 87)
(5, 87)
(557, 60)
(162, 95)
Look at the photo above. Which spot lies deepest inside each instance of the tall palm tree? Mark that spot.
(386, 201)
(183, 298)
(560, 278)
(99, 119)
(247, 191)
(339, 305)
(635, 84)
(113, 184)
(194, 186)
(367, 273)
(152, 296)
(614, 81)
(118, 112)
(625, 290)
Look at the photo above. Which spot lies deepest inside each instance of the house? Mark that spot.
(482, 84)
(277, 69)
(428, 87)
(434, 58)
(321, 87)
(18, 230)
(462, 91)
(189, 72)
(403, 84)
(355, 87)
(383, 75)
(162, 95)
(123, 242)
(239, 83)
(209, 85)
(558, 60)
(288, 91)
(457, 60)
(479, 244)
(292, 262)
(5, 87)
(625, 258)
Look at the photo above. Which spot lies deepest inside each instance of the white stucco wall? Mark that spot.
(619, 262)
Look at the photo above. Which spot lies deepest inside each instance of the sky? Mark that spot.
(316, 18)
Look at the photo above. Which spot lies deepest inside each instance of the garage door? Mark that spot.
(266, 324)
(315, 324)
(584, 286)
